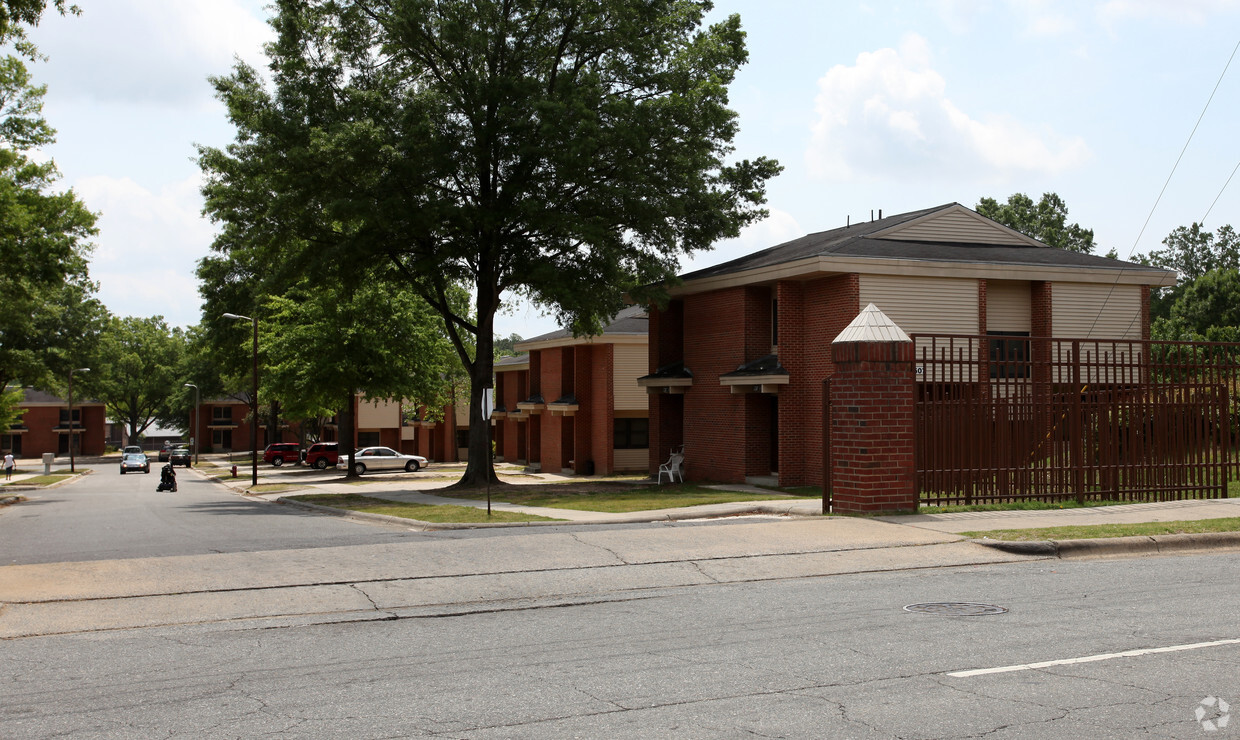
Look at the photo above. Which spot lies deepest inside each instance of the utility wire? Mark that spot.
(1157, 200)
(1220, 193)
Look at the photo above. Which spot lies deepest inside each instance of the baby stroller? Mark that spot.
(167, 479)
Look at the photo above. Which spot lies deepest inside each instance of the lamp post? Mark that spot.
(253, 402)
(197, 420)
(72, 467)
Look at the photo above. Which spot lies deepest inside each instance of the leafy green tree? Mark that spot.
(16, 15)
(1192, 251)
(1046, 220)
(137, 371)
(562, 151)
(322, 345)
(506, 346)
(49, 319)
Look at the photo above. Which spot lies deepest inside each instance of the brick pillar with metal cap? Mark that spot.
(871, 463)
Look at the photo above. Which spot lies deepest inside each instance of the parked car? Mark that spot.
(180, 456)
(135, 461)
(322, 454)
(132, 450)
(281, 452)
(165, 452)
(385, 458)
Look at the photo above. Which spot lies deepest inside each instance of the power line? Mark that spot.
(1220, 193)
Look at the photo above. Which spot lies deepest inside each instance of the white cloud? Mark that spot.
(889, 116)
(166, 49)
(1194, 12)
(148, 246)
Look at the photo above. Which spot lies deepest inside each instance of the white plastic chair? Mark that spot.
(673, 467)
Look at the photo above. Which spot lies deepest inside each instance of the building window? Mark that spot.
(1009, 358)
(631, 434)
(64, 417)
(221, 414)
(367, 439)
(221, 439)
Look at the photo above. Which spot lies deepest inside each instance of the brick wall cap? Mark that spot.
(872, 325)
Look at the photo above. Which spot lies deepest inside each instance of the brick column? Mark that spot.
(872, 447)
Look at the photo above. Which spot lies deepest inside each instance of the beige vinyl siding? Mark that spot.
(955, 226)
(926, 305)
(1095, 311)
(630, 364)
(1084, 311)
(377, 414)
(407, 433)
(631, 460)
(462, 415)
(1007, 306)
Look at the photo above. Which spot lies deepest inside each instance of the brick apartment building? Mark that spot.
(45, 427)
(738, 358)
(573, 404)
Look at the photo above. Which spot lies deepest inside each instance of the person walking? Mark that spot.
(9, 462)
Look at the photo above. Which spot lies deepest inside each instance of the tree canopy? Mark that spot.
(566, 152)
(137, 371)
(49, 319)
(1046, 220)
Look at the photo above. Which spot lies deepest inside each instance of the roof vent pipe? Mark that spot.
(847, 221)
(871, 214)
(880, 214)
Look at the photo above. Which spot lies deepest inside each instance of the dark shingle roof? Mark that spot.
(858, 241)
(631, 320)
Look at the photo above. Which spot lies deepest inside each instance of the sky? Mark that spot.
(871, 105)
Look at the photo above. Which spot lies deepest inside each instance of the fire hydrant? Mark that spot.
(234, 471)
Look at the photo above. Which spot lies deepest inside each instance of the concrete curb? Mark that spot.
(1119, 546)
(637, 518)
(69, 479)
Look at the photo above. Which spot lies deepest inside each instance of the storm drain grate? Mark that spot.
(955, 609)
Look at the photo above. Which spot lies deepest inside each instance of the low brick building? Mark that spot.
(738, 358)
(572, 404)
(45, 426)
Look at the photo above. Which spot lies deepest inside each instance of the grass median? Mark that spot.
(421, 512)
(1100, 531)
(612, 498)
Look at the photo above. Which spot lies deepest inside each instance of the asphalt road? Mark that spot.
(805, 657)
(107, 515)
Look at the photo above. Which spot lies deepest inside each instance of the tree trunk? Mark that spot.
(273, 424)
(345, 446)
(479, 468)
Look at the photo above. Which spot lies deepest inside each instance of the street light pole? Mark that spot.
(72, 467)
(197, 420)
(253, 402)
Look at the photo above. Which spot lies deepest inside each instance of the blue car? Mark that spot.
(135, 461)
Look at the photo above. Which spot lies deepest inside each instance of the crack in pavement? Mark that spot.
(608, 550)
(698, 565)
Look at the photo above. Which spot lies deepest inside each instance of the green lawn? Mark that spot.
(1085, 532)
(422, 512)
(617, 501)
(41, 480)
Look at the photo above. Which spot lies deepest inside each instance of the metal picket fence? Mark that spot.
(1003, 418)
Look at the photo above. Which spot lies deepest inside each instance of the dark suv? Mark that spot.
(322, 455)
(281, 452)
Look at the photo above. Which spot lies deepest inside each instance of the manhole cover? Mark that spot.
(955, 609)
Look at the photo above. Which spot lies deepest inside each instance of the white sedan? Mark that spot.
(384, 458)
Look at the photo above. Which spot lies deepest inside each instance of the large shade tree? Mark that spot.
(565, 152)
(137, 371)
(49, 318)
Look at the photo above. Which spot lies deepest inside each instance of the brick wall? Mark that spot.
(811, 315)
(666, 345)
(723, 330)
(981, 306)
(41, 422)
(872, 447)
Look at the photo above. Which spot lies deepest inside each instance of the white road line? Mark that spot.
(1091, 658)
